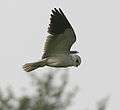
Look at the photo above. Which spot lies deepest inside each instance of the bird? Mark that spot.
(57, 47)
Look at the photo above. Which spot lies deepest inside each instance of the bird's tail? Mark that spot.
(32, 66)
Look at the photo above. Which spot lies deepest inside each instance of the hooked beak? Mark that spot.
(77, 65)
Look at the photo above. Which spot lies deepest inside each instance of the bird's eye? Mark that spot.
(77, 61)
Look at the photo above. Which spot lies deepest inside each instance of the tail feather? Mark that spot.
(32, 66)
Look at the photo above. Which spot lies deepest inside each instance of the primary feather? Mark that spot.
(58, 44)
(62, 35)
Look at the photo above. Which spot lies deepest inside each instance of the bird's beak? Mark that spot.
(77, 65)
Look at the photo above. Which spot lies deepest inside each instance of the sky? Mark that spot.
(23, 31)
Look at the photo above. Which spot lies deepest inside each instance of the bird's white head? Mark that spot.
(77, 60)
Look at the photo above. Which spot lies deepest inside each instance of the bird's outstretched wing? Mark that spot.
(61, 36)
